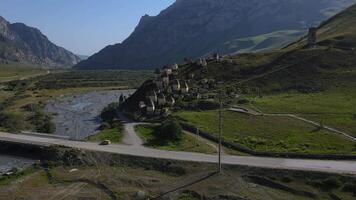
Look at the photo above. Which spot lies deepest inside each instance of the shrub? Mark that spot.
(331, 183)
(47, 126)
(104, 126)
(11, 122)
(349, 187)
(109, 113)
(42, 122)
(208, 105)
(243, 101)
(170, 130)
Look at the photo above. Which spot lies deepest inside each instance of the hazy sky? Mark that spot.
(82, 26)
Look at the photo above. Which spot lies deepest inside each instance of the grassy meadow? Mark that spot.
(18, 71)
(335, 108)
(114, 135)
(272, 134)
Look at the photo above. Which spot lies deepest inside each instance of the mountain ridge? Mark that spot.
(21, 43)
(196, 27)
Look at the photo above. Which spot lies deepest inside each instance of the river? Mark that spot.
(78, 116)
(9, 162)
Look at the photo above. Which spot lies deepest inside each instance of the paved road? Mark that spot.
(340, 167)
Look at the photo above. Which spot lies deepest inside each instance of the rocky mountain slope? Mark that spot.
(20, 43)
(193, 28)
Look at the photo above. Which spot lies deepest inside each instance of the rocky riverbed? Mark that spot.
(78, 116)
(9, 162)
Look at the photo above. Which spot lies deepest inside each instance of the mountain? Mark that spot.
(21, 43)
(299, 67)
(194, 28)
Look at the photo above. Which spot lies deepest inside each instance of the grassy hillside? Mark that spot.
(316, 83)
(272, 134)
(274, 40)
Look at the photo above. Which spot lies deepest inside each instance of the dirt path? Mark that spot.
(131, 137)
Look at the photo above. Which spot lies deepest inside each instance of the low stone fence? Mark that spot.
(237, 147)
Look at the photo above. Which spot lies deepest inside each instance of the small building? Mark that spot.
(141, 105)
(204, 63)
(191, 76)
(159, 84)
(176, 85)
(312, 38)
(150, 107)
(165, 80)
(196, 96)
(167, 70)
(165, 111)
(152, 95)
(171, 101)
(157, 112)
(185, 88)
(161, 100)
(216, 56)
(175, 67)
(204, 81)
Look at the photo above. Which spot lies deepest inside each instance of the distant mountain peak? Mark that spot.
(21, 43)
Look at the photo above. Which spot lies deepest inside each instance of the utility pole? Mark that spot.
(220, 133)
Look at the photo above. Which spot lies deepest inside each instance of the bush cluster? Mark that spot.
(41, 121)
(170, 130)
(109, 113)
(11, 122)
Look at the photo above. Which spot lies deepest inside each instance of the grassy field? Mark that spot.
(18, 71)
(335, 108)
(98, 78)
(272, 134)
(4, 95)
(187, 143)
(114, 135)
(122, 181)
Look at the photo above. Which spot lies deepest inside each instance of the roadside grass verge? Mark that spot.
(186, 143)
(270, 133)
(114, 135)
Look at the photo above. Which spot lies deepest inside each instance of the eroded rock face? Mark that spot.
(193, 28)
(21, 43)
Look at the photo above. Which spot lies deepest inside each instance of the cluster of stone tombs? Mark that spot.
(167, 89)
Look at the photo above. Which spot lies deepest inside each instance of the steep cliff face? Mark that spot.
(20, 43)
(193, 28)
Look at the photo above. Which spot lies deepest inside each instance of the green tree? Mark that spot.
(11, 122)
(170, 130)
(109, 113)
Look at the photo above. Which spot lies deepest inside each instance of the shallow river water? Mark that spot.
(78, 116)
(9, 162)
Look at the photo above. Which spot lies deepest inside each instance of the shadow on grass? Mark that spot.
(156, 141)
